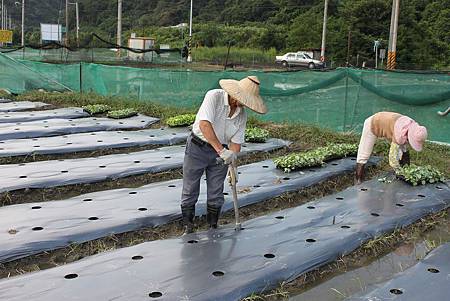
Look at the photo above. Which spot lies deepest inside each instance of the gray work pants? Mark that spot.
(199, 159)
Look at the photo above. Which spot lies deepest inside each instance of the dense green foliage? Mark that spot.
(123, 113)
(181, 120)
(314, 157)
(423, 35)
(255, 134)
(420, 175)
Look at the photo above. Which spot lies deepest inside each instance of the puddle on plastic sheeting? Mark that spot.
(342, 286)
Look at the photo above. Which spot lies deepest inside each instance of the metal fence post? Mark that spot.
(81, 77)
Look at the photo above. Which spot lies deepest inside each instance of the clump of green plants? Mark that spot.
(255, 134)
(96, 109)
(316, 157)
(181, 120)
(124, 113)
(419, 175)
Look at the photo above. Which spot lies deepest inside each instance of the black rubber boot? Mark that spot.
(188, 219)
(359, 174)
(212, 216)
(405, 159)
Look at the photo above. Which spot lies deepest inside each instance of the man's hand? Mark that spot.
(227, 156)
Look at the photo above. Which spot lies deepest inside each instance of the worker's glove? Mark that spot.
(227, 156)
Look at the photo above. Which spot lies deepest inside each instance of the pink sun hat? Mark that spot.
(417, 135)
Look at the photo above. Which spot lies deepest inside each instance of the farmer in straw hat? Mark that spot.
(218, 131)
(399, 130)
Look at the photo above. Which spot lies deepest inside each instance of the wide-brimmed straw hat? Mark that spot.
(246, 91)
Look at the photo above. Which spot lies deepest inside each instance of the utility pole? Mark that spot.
(78, 21)
(3, 18)
(392, 48)
(119, 26)
(324, 31)
(67, 23)
(23, 26)
(78, 24)
(189, 58)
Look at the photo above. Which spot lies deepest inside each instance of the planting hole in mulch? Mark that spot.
(155, 295)
(71, 276)
(279, 217)
(193, 241)
(218, 273)
(93, 218)
(132, 192)
(363, 189)
(269, 255)
(396, 291)
(142, 209)
(339, 198)
(137, 257)
(87, 200)
(374, 214)
(37, 229)
(399, 205)
(311, 207)
(36, 207)
(310, 240)
(420, 195)
(345, 227)
(433, 270)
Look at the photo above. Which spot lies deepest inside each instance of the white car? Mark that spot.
(298, 59)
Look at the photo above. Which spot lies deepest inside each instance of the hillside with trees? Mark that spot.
(280, 25)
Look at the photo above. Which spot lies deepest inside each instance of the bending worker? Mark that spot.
(399, 130)
(218, 131)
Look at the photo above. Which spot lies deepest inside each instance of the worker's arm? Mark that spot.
(395, 155)
(235, 147)
(210, 135)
